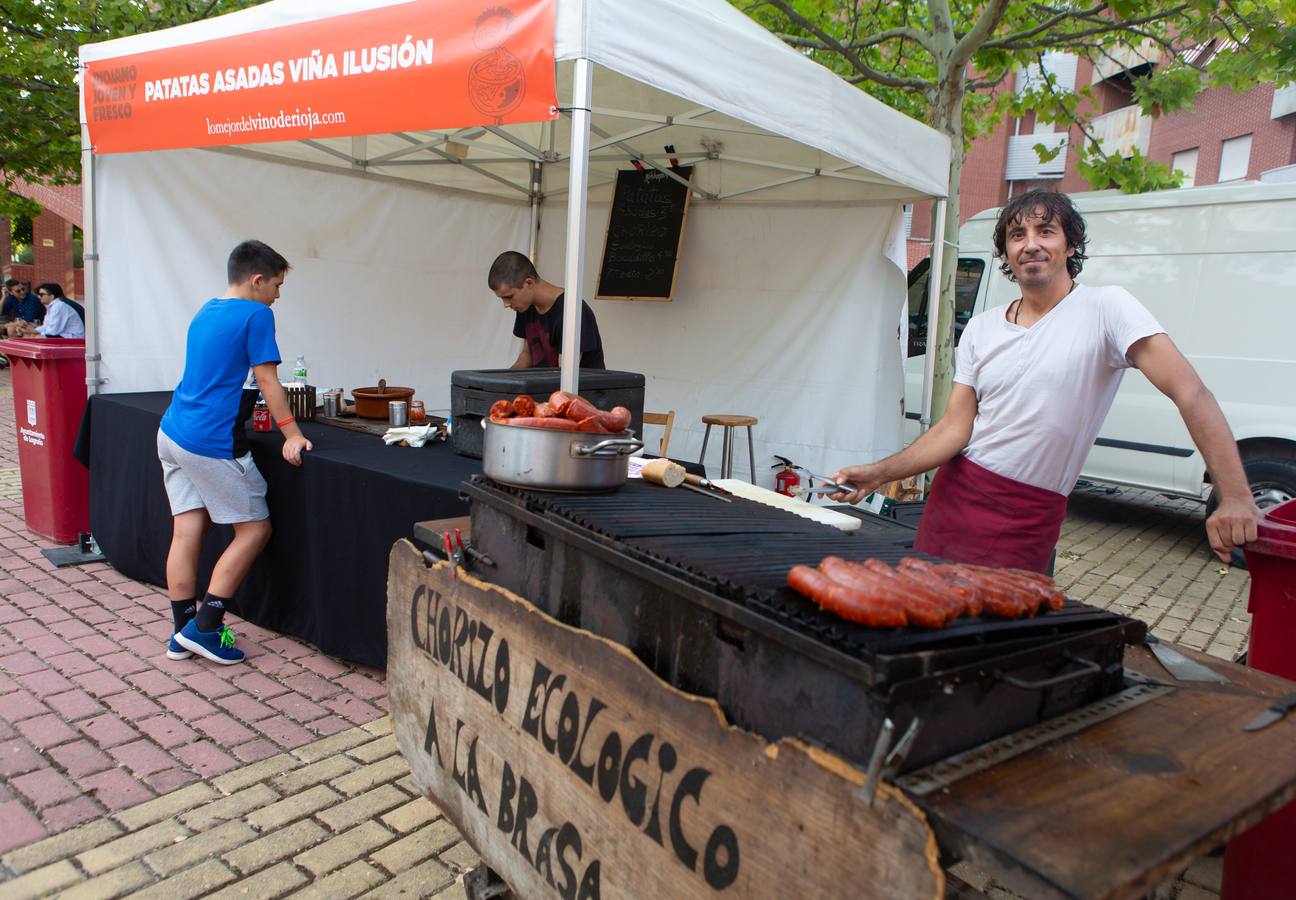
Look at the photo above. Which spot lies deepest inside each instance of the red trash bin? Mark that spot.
(1259, 862)
(49, 391)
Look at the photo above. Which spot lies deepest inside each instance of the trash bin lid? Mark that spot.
(44, 348)
(1276, 532)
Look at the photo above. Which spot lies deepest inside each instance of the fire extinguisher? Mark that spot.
(787, 480)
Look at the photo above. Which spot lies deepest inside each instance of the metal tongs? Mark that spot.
(829, 487)
(458, 553)
(887, 759)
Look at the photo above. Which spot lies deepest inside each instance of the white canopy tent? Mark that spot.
(791, 285)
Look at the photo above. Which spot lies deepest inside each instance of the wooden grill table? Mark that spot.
(1114, 809)
(574, 771)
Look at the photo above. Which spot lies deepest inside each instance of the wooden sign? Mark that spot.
(645, 232)
(575, 772)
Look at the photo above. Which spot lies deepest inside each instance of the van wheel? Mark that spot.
(1272, 480)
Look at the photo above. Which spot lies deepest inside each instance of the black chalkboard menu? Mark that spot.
(645, 231)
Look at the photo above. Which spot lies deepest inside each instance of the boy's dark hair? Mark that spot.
(254, 258)
(52, 287)
(12, 282)
(1049, 205)
(510, 269)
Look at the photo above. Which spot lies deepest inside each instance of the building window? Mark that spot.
(1235, 158)
(1062, 66)
(1186, 161)
(1023, 159)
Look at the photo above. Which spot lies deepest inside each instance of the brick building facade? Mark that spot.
(1226, 136)
(53, 252)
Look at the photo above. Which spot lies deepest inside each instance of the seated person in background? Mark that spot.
(539, 307)
(8, 303)
(61, 319)
(20, 305)
(76, 308)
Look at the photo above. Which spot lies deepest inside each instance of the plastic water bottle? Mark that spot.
(299, 370)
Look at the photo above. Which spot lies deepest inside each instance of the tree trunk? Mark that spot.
(949, 121)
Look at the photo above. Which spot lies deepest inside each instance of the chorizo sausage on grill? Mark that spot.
(969, 592)
(943, 597)
(847, 602)
(1053, 599)
(919, 610)
(882, 594)
(1039, 589)
(1003, 600)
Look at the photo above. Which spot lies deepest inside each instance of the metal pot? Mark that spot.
(552, 460)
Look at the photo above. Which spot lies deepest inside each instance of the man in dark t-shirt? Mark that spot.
(539, 308)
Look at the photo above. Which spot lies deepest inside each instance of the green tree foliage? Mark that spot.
(40, 135)
(940, 61)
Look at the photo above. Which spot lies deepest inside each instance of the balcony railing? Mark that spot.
(1121, 59)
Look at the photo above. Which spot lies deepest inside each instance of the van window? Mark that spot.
(966, 281)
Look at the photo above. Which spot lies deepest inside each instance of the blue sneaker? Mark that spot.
(218, 646)
(175, 651)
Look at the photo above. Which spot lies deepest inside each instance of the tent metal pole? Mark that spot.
(933, 322)
(933, 313)
(532, 232)
(90, 258)
(578, 182)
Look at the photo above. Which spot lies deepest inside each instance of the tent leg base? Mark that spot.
(85, 550)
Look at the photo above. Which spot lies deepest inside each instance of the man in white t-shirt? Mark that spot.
(1033, 383)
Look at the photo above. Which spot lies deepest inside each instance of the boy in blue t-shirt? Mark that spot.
(206, 465)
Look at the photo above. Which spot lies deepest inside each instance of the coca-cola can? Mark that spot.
(261, 420)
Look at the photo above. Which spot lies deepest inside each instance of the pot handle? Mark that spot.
(609, 449)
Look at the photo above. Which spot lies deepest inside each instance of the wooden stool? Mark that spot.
(667, 421)
(729, 423)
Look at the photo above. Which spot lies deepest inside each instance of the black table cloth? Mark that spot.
(323, 577)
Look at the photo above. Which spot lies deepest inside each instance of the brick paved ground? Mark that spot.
(337, 817)
(1146, 556)
(124, 772)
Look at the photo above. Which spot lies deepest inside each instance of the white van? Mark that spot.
(1216, 265)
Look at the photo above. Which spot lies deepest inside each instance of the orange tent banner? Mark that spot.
(424, 64)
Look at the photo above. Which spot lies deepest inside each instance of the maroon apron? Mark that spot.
(975, 516)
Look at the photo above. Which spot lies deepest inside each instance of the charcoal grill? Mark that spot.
(696, 590)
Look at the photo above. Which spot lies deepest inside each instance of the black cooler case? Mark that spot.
(472, 391)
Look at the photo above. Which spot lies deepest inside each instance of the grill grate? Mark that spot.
(741, 551)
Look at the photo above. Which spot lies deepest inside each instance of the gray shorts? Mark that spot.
(231, 490)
